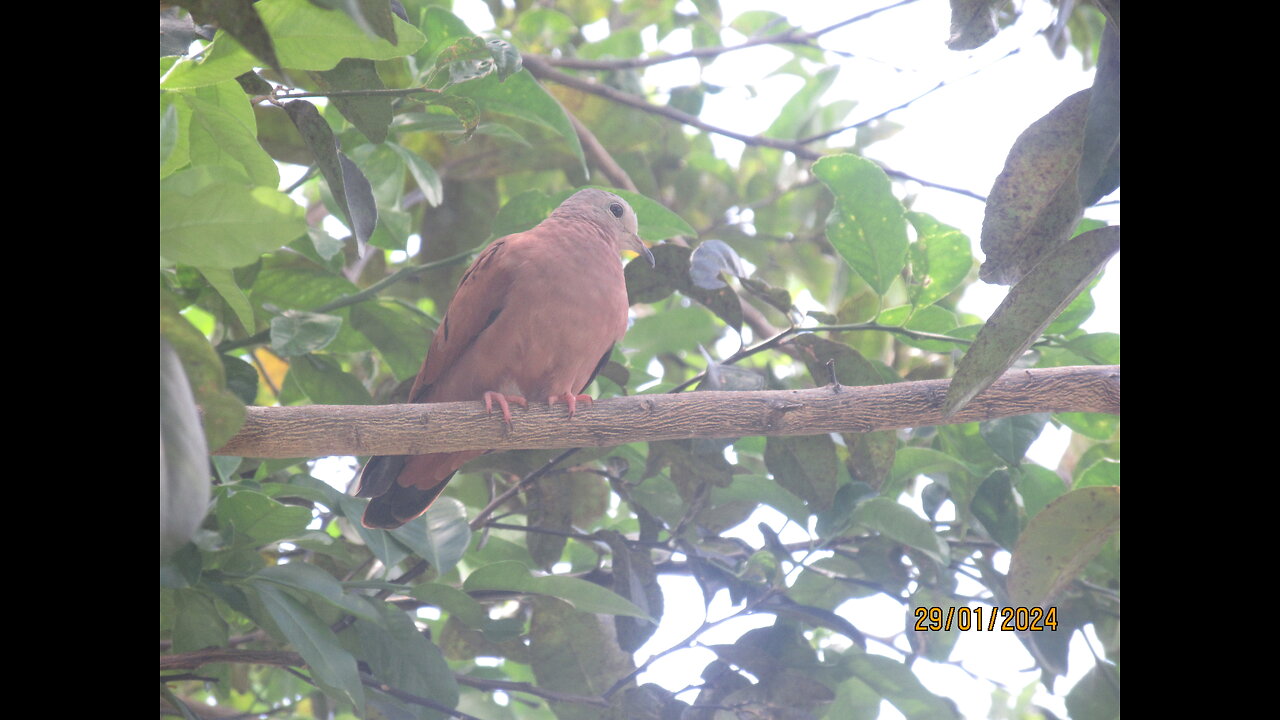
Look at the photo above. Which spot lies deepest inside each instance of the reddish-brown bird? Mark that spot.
(535, 316)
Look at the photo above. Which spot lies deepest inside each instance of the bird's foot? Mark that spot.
(571, 400)
(496, 397)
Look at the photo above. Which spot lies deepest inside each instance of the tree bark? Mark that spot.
(415, 429)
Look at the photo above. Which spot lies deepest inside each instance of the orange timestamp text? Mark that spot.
(1021, 619)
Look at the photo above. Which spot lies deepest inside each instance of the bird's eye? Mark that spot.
(616, 209)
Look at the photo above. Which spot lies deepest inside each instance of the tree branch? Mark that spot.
(543, 71)
(415, 429)
(199, 658)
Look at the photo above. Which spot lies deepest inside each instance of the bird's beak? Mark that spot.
(642, 250)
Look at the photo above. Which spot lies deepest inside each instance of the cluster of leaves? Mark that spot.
(275, 599)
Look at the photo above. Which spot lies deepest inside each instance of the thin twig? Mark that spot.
(524, 687)
(510, 492)
(747, 609)
(357, 297)
(941, 84)
(790, 37)
(542, 70)
(592, 146)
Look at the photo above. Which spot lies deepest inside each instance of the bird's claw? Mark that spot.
(571, 400)
(502, 401)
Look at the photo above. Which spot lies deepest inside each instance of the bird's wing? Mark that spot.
(480, 297)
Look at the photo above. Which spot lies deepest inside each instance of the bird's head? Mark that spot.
(612, 214)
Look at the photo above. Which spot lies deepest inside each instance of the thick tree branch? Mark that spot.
(319, 430)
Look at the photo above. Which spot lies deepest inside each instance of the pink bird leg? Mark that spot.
(491, 397)
(571, 400)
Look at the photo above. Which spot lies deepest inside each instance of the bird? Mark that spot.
(535, 317)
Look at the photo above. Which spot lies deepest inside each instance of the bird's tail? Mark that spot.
(404, 486)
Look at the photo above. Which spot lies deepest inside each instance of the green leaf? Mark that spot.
(295, 332)
(833, 581)
(912, 461)
(1028, 310)
(1105, 473)
(260, 518)
(805, 465)
(940, 260)
(424, 175)
(319, 584)
(522, 97)
(678, 329)
(934, 644)
(306, 38)
(896, 683)
(300, 286)
(1059, 541)
(574, 652)
(867, 225)
(324, 382)
(197, 623)
(1038, 487)
(211, 219)
(168, 130)
(440, 535)
(403, 657)
(371, 114)
(458, 604)
(1011, 437)
(400, 335)
(798, 115)
(175, 123)
(224, 281)
(223, 131)
(1098, 426)
(582, 595)
(1097, 695)
(333, 666)
(900, 523)
(993, 505)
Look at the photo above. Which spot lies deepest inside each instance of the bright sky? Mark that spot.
(957, 136)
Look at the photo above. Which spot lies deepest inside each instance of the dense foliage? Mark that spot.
(326, 175)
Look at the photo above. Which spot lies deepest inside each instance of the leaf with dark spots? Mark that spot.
(1034, 205)
(1027, 310)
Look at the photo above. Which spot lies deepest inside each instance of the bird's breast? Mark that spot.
(556, 322)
